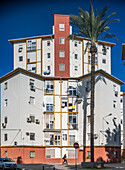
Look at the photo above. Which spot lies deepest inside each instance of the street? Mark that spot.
(117, 166)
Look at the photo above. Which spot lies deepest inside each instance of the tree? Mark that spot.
(92, 25)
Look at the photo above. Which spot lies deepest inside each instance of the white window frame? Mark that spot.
(62, 67)
(5, 85)
(32, 154)
(61, 40)
(32, 100)
(62, 54)
(62, 27)
(5, 102)
(48, 55)
(57, 139)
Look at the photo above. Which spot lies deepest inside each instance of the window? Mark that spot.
(88, 119)
(73, 121)
(104, 61)
(61, 54)
(64, 137)
(32, 87)
(76, 56)
(75, 44)
(32, 154)
(20, 48)
(71, 140)
(20, 58)
(89, 59)
(32, 100)
(51, 139)
(95, 59)
(48, 43)
(5, 137)
(32, 136)
(114, 104)
(49, 121)
(49, 87)
(72, 90)
(48, 55)
(5, 120)
(48, 67)
(76, 68)
(5, 102)
(62, 67)
(5, 154)
(61, 27)
(115, 154)
(57, 139)
(88, 154)
(31, 45)
(61, 40)
(49, 107)
(104, 50)
(5, 86)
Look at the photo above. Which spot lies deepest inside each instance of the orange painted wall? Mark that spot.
(105, 154)
(61, 19)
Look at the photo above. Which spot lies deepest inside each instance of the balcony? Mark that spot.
(73, 126)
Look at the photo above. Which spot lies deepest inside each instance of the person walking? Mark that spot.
(64, 160)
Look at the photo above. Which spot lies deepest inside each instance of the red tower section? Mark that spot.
(61, 32)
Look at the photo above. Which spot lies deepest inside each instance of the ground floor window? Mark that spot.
(32, 154)
(5, 154)
(115, 154)
(50, 153)
(71, 140)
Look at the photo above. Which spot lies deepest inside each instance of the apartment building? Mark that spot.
(45, 100)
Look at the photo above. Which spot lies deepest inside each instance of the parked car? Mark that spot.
(7, 163)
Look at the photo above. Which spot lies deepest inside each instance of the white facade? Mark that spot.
(36, 111)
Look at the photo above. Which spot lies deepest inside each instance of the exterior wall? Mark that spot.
(48, 61)
(18, 95)
(106, 127)
(61, 19)
(17, 54)
(76, 64)
(107, 57)
(99, 57)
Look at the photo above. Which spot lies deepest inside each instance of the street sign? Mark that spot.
(76, 145)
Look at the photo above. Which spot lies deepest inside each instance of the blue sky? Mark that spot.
(27, 18)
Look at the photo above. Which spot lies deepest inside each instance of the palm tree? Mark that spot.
(92, 25)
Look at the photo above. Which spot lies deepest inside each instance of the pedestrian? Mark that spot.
(64, 160)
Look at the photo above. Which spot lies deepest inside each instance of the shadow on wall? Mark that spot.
(113, 136)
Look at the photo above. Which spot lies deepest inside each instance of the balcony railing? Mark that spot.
(73, 126)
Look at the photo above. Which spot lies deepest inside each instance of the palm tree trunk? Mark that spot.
(93, 50)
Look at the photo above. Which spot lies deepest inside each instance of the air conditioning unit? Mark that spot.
(48, 72)
(4, 125)
(29, 120)
(37, 121)
(27, 133)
